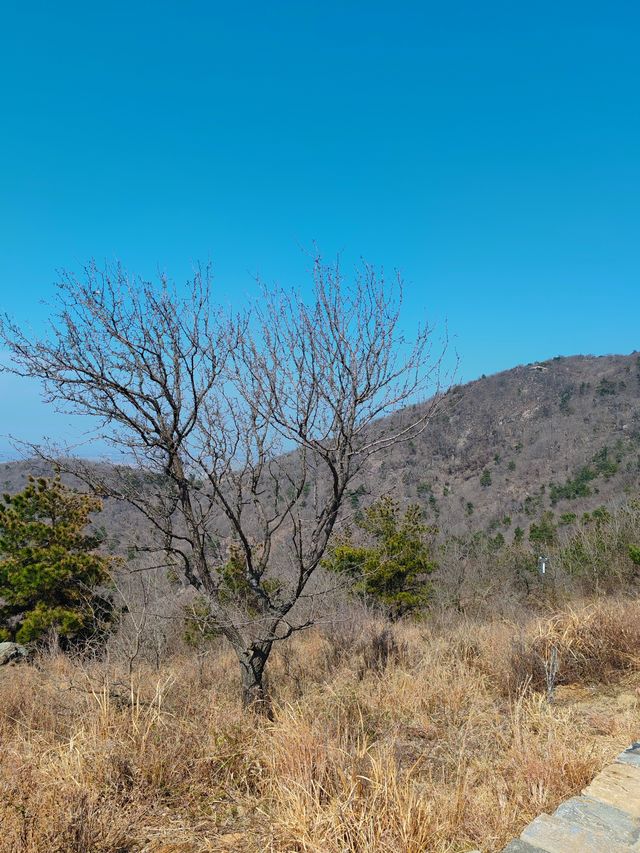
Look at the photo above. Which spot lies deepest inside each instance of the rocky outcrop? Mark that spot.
(12, 653)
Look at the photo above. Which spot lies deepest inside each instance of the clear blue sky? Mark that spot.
(491, 151)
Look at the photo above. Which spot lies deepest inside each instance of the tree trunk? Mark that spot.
(254, 695)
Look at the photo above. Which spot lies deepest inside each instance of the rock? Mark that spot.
(617, 825)
(619, 786)
(12, 653)
(519, 846)
(556, 835)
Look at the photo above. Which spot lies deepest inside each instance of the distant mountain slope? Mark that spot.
(497, 445)
(561, 435)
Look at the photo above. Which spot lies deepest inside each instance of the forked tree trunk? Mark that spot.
(254, 694)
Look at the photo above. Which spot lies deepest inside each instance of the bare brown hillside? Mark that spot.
(561, 435)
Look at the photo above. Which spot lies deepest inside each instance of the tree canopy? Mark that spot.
(392, 569)
(50, 570)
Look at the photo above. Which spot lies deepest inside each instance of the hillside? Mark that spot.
(561, 435)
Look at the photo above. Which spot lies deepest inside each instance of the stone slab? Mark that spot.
(630, 756)
(555, 835)
(520, 846)
(619, 786)
(600, 817)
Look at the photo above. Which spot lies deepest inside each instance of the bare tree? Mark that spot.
(240, 434)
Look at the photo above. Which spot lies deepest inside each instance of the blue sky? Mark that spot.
(490, 151)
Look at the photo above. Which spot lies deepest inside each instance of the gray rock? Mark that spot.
(12, 652)
(519, 846)
(556, 835)
(600, 817)
(618, 785)
(630, 756)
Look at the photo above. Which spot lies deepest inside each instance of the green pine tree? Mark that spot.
(49, 568)
(485, 479)
(545, 532)
(392, 570)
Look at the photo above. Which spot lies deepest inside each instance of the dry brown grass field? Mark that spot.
(435, 736)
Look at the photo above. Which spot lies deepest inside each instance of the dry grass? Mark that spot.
(428, 740)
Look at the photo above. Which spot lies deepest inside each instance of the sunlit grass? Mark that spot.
(443, 746)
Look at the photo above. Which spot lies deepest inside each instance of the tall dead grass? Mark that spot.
(428, 737)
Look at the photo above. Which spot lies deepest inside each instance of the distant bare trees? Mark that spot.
(240, 434)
